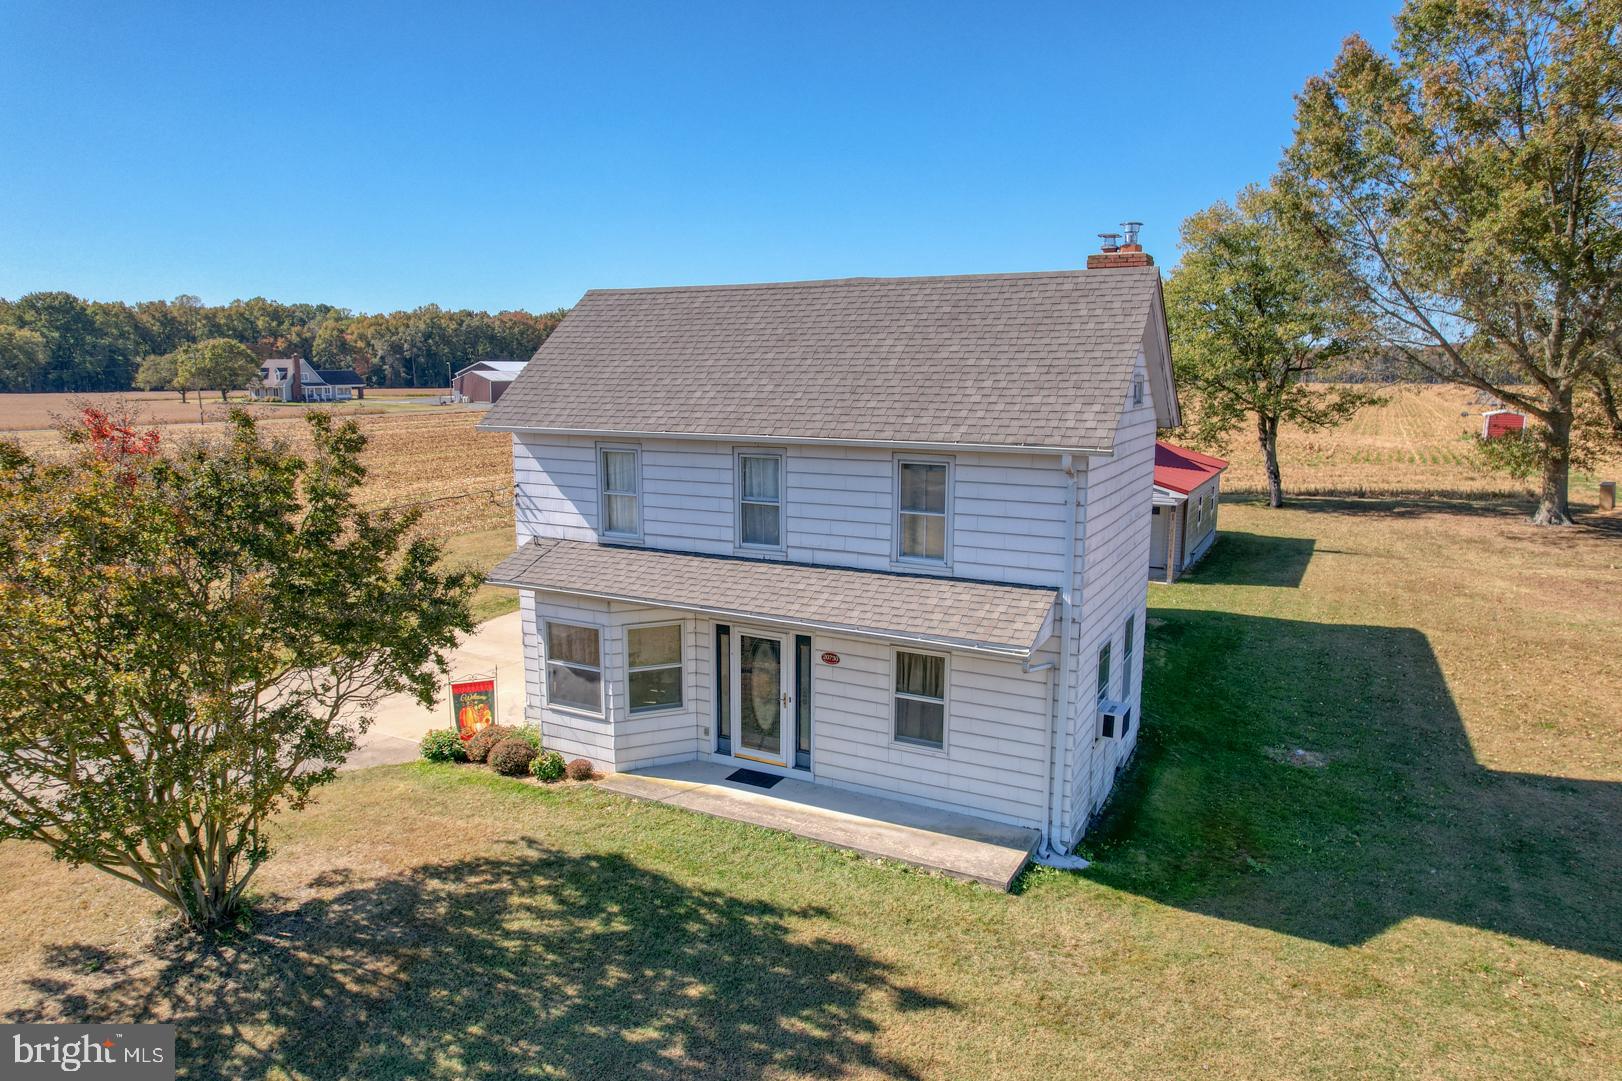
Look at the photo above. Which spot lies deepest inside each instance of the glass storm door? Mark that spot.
(760, 697)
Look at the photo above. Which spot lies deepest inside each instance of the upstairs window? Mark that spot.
(920, 699)
(1137, 389)
(760, 500)
(922, 526)
(620, 471)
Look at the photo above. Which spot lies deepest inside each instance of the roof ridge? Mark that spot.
(1075, 272)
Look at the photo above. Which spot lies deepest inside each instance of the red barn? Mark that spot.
(1501, 422)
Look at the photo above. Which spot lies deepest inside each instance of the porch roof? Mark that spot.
(984, 617)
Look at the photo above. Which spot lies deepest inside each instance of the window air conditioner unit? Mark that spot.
(1114, 720)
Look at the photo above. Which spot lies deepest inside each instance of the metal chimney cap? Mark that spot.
(1112, 241)
(1131, 228)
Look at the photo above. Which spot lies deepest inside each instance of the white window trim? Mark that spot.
(546, 671)
(945, 701)
(738, 455)
(680, 666)
(1137, 388)
(603, 493)
(918, 562)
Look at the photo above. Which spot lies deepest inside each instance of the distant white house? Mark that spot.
(290, 379)
(486, 380)
(1187, 487)
(886, 535)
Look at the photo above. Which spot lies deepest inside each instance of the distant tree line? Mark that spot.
(56, 341)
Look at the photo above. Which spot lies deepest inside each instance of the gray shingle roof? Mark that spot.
(1028, 360)
(984, 616)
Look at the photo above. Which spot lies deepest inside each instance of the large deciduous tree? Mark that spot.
(192, 641)
(1472, 185)
(157, 372)
(1254, 311)
(23, 356)
(220, 363)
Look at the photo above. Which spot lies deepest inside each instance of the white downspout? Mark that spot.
(1049, 853)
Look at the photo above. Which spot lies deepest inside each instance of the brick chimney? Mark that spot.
(1119, 254)
(295, 374)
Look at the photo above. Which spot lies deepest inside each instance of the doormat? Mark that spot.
(754, 777)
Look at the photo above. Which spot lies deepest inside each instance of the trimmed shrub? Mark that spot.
(443, 745)
(478, 748)
(547, 766)
(512, 756)
(579, 769)
(530, 735)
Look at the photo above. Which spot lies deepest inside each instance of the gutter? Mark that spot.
(813, 441)
(1048, 853)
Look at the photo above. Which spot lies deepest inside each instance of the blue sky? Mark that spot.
(501, 156)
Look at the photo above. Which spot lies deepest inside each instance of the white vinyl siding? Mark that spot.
(997, 718)
(839, 504)
(1112, 585)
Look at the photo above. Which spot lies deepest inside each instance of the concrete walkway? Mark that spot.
(953, 844)
(496, 645)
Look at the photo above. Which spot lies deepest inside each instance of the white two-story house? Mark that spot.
(884, 534)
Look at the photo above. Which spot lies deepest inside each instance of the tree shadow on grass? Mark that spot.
(1590, 521)
(1253, 559)
(1387, 816)
(537, 963)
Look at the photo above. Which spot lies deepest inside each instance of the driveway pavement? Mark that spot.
(496, 645)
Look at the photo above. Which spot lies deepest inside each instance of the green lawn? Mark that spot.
(1428, 891)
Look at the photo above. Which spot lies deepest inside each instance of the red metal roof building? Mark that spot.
(1187, 487)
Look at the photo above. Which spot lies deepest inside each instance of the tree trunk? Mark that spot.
(1267, 439)
(1553, 507)
(182, 393)
(223, 398)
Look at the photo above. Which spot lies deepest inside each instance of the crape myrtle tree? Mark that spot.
(193, 638)
(1472, 186)
(1254, 311)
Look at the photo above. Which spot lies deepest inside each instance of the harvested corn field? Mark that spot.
(1413, 443)
(428, 456)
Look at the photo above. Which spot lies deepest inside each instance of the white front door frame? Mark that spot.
(786, 741)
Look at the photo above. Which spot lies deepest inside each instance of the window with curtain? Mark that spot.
(920, 699)
(621, 472)
(574, 666)
(921, 510)
(1103, 672)
(653, 660)
(760, 500)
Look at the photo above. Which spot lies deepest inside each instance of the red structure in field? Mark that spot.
(1501, 422)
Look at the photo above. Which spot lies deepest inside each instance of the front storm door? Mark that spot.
(760, 697)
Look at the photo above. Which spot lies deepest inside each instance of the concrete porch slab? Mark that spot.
(959, 845)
